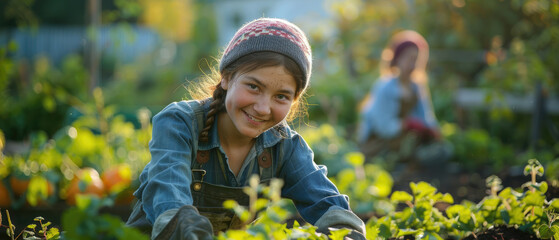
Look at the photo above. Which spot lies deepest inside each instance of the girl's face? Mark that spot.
(407, 60)
(258, 100)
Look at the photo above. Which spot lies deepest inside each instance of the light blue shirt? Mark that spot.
(165, 181)
(380, 114)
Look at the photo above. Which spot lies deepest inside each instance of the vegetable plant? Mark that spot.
(266, 216)
(85, 222)
(39, 230)
(419, 217)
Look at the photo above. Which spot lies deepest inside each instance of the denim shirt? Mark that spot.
(380, 114)
(165, 181)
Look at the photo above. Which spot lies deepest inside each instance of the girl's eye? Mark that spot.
(283, 97)
(252, 86)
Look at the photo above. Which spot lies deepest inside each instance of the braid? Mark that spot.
(215, 107)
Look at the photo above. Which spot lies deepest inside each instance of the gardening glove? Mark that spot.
(352, 235)
(181, 224)
(413, 125)
(424, 133)
(337, 218)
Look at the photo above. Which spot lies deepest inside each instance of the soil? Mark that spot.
(465, 185)
(502, 232)
(497, 233)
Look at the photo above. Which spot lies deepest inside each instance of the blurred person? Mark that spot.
(205, 151)
(397, 121)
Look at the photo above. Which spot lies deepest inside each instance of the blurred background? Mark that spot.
(80, 81)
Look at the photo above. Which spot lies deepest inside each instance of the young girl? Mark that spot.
(399, 110)
(204, 152)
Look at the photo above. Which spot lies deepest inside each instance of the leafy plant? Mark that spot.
(84, 222)
(329, 146)
(420, 217)
(265, 216)
(368, 185)
(527, 211)
(31, 231)
(475, 148)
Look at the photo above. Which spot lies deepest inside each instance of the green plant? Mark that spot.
(552, 173)
(475, 148)
(329, 146)
(368, 185)
(420, 217)
(265, 216)
(526, 210)
(551, 228)
(98, 138)
(85, 222)
(31, 232)
(42, 102)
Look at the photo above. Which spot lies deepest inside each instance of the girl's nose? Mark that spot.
(262, 106)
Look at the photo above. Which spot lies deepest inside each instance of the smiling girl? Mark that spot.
(205, 151)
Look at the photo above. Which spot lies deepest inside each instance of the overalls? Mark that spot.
(208, 198)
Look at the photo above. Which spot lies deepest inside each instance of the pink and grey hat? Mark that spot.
(270, 35)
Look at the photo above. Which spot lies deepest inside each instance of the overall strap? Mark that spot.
(266, 160)
(200, 156)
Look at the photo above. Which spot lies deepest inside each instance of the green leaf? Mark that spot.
(555, 231)
(339, 234)
(32, 226)
(408, 231)
(83, 201)
(554, 204)
(356, 159)
(38, 189)
(545, 231)
(423, 211)
(447, 198)
(432, 236)
(401, 196)
(490, 204)
(54, 233)
(505, 216)
(383, 184)
(516, 216)
(542, 187)
(261, 203)
(534, 199)
(373, 232)
(422, 189)
(230, 204)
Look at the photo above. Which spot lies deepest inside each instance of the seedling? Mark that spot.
(31, 231)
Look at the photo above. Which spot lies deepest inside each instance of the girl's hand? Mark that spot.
(352, 235)
(413, 125)
(186, 224)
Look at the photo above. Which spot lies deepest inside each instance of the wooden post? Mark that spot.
(94, 13)
(538, 114)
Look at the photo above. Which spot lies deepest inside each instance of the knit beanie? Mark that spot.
(270, 35)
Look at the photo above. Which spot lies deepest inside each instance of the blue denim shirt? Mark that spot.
(165, 181)
(380, 114)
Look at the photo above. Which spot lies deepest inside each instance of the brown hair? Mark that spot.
(210, 86)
